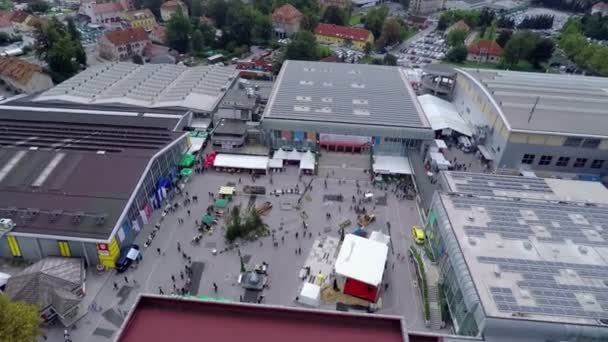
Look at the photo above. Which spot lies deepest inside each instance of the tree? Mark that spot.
(456, 37)
(137, 59)
(196, 9)
(6, 5)
(197, 42)
(542, 51)
(262, 29)
(18, 321)
(56, 46)
(178, 32)
(217, 10)
(367, 48)
(486, 17)
(374, 20)
(309, 20)
(81, 55)
(240, 20)
(390, 59)
(457, 54)
(38, 6)
(519, 47)
(234, 227)
(503, 37)
(391, 33)
(335, 15)
(303, 46)
(505, 22)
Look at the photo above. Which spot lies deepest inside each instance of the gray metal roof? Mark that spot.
(552, 103)
(533, 259)
(49, 282)
(341, 93)
(151, 85)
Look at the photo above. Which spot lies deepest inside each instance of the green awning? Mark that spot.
(221, 203)
(208, 219)
(187, 172)
(211, 298)
(187, 160)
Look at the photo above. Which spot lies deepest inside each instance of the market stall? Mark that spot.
(226, 192)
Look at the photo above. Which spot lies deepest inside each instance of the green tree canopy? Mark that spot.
(303, 46)
(309, 20)
(391, 33)
(542, 51)
(503, 37)
(19, 322)
(457, 54)
(374, 20)
(335, 15)
(153, 5)
(456, 37)
(178, 32)
(197, 42)
(55, 45)
(519, 47)
(217, 10)
(38, 6)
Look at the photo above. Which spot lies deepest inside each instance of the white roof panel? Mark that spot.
(241, 161)
(362, 259)
(443, 114)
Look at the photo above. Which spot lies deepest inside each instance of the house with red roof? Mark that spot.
(21, 76)
(601, 8)
(484, 51)
(343, 35)
(107, 14)
(286, 20)
(120, 45)
(459, 25)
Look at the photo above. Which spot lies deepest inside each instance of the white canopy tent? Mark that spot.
(392, 165)
(280, 154)
(4, 278)
(310, 295)
(362, 259)
(197, 144)
(308, 161)
(443, 115)
(275, 163)
(380, 237)
(241, 161)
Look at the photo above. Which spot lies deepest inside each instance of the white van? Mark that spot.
(464, 143)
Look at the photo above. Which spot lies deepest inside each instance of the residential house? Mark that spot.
(419, 7)
(169, 7)
(108, 14)
(336, 3)
(120, 45)
(55, 285)
(459, 25)
(417, 21)
(484, 51)
(141, 18)
(23, 21)
(6, 25)
(601, 8)
(343, 35)
(158, 34)
(286, 20)
(22, 76)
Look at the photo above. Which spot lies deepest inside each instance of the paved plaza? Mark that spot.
(340, 171)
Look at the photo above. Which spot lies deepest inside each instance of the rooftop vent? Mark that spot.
(472, 242)
(301, 108)
(359, 111)
(500, 244)
(327, 99)
(582, 249)
(306, 82)
(471, 217)
(327, 84)
(527, 245)
(497, 271)
(304, 98)
(360, 102)
(357, 85)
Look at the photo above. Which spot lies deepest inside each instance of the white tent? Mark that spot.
(443, 114)
(308, 161)
(4, 278)
(279, 154)
(392, 165)
(380, 237)
(275, 163)
(241, 161)
(310, 295)
(294, 155)
(362, 259)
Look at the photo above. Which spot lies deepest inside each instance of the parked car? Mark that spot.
(418, 235)
(127, 256)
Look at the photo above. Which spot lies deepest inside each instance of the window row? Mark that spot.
(562, 161)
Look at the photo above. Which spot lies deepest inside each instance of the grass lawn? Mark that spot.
(355, 20)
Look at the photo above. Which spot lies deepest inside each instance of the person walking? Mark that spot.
(160, 290)
(188, 212)
(115, 286)
(181, 275)
(214, 287)
(173, 278)
(179, 247)
(158, 250)
(126, 280)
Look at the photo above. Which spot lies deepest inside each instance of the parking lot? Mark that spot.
(342, 172)
(427, 49)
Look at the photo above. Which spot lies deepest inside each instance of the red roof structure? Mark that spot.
(287, 14)
(485, 47)
(127, 36)
(19, 16)
(108, 7)
(343, 32)
(160, 318)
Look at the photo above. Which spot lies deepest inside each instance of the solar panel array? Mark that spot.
(484, 184)
(586, 295)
